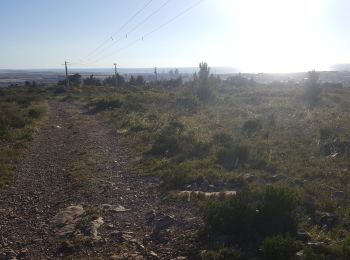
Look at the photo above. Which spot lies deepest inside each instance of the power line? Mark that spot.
(173, 19)
(132, 18)
(133, 29)
(119, 30)
(154, 30)
(148, 17)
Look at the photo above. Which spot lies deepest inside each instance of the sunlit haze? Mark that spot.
(250, 35)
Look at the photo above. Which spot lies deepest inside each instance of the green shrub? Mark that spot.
(176, 178)
(251, 127)
(171, 141)
(189, 103)
(278, 248)
(24, 101)
(169, 145)
(6, 174)
(204, 88)
(232, 157)
(277, 211)
(309, 254)
(201, 150)
(327, 133)
(17, 121)
(60, 90)
(313, 89)
(222, 254)
(11, 116)
(223, 139)
(346, 248)
(132, 103)
(260, 163)
(234, 216)
(105, 104)
(35, 113)
(253, 213)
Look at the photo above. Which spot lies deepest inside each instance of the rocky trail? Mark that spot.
(74, 197)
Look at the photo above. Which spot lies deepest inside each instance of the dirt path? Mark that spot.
(76, 160)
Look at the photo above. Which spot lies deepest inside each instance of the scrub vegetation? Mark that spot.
(21, 110)
(284, 149)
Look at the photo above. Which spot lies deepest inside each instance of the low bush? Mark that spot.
(19, 111)
(129, 105)
(25, 101)
(34, 113)
(279, 247)
(176, 178)
(170, 144)
(105, 104)
(327, 133)
(171, 141)
(201, 150)
(346, 248)
(232, 157)
(277, 211)
(189, 103)
(222, 254)
(253, 214)
(92, 81)
(60, 89)
(260, 163)
(251, 127)
(313, 89)
(11, 117)
(309, 254)
(6, 174)
(234, 216)
(222, 139)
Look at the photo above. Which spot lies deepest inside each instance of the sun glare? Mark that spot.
(276, 36)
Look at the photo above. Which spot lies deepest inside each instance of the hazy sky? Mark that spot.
(251, 35)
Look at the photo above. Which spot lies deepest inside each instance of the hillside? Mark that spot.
(247, 171)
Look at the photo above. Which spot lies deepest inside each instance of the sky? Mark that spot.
(250, 35)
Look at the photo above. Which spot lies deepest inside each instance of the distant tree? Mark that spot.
(75, 79)
(110, 81)
(132, 81)
(176, 73)
(91, 81)
(171, 82)
(204, 91)
(313, 89)
(240, 81)
(139, 80)
(61, 83)
(156, 73)
(121, 80)
(32, 86)
(171, 74)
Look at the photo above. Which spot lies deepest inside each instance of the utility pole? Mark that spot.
(67, 78)
(116, 76)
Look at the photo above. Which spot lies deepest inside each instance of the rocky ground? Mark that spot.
(75, 197)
